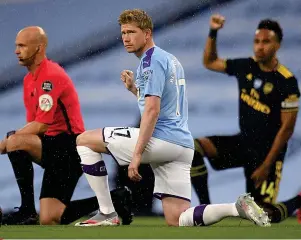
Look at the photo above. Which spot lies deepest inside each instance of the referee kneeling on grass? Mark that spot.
(54, 121)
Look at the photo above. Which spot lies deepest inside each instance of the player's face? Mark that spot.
(25, 50)
(265, 45)
(134, 39)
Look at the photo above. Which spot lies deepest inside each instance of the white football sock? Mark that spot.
(214, 213)
(205, 215)
(95, 171)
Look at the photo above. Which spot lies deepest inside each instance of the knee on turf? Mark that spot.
(49, 219)
(172, 222)
(172, 218)
(51, 211)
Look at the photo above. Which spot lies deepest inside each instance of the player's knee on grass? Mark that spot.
(51, 211)
(49, 217)
(173, 208)
(48, 220)
(172, 221)
(172, 218)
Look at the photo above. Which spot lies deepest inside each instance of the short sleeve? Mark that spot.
(48, 95)
(154, 77)
(234, 66)
(30, 115)
(290, 94)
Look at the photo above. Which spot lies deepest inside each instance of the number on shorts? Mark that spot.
(267, 190)
(124, 133)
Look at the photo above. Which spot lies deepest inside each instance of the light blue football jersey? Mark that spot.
(161, 74)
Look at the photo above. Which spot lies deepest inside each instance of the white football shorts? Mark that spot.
(170, 162)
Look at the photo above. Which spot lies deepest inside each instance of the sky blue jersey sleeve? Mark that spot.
(154, 77)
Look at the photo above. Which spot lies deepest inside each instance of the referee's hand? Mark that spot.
(217, 22)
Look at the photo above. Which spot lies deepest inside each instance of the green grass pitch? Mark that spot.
(154, 227)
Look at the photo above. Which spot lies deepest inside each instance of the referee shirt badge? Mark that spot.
(45, 102)
(47, 86)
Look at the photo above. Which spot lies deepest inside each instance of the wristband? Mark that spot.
(213, 33)
(10, 133)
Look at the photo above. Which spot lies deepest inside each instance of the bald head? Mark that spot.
(31, 44)
(34, 34)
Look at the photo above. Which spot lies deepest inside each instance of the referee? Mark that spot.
(54, 120)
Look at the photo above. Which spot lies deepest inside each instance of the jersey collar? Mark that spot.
(275, 68)
(39, 68)
(148, 52)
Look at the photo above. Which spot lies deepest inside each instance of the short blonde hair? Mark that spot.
(137, 16)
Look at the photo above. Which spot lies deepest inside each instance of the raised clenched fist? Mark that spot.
(217, 21)
(127, 78)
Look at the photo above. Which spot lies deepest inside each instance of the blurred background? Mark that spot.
(84, 37)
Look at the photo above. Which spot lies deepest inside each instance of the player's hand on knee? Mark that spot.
(133, 172)
(127, 78)
(217, 21)
(260, 174)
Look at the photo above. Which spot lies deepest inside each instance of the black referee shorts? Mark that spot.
(62, 167)
(238, 151)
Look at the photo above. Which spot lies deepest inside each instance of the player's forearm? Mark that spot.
(210, 52)
(281, 139)
(134, 90)
(147, 126)
(34, 127)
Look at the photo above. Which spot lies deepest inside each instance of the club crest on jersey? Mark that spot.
(267, 88)
(257, 83)
(147, 74)
(45, 102)
(47, 86)
(249, 77)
